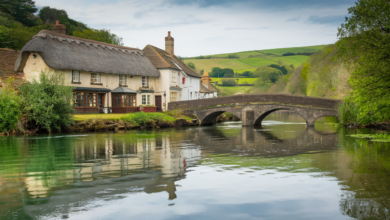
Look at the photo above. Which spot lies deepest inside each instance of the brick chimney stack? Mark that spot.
(169, 46)
(59, 28)
(206, 78)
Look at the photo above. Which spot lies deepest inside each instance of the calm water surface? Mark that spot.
(279, 171)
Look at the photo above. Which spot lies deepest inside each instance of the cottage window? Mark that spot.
(78, 99)
(117, 101)
(91, 100)
(173, 96)
(75, 76)
(122, 80)
(173, 77)
(95, 78)
(145, 99)
(145, 81)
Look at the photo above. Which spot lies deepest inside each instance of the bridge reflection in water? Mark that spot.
(83, 173)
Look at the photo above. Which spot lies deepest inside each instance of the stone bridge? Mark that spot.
(253, 108)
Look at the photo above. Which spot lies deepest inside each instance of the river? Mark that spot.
(279, 171)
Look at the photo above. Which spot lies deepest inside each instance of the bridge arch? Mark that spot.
(211, 117)
(265, 114)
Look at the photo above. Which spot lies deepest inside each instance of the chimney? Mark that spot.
(169, 46)
(59, 28)
(206, 79)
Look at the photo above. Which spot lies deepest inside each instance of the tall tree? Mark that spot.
(50, 15)
(99, 35)
(20, 10)
(365, 47)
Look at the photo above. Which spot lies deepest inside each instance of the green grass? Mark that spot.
(241, 71)
(232, 90)
(208, 64)
(101, 116)
(281, 51)
(147, 119)
(244, 54)
(256, 62)
(295, 60)
(240, 80)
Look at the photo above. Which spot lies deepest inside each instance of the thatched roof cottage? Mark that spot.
(105, 75)
(177, 79)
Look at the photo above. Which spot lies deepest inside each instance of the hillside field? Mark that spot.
(240, 80)
(251, 60)
(232, 90)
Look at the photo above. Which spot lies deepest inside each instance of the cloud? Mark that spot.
(245, 29)
(294, 19)
(330, 20)
(279, 4)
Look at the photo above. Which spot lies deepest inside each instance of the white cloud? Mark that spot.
(204, 30)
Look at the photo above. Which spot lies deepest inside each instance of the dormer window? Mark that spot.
(122, 80)
(95, 78)
(145, 82)
(75, 76)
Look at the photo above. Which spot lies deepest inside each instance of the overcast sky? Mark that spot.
(205, 27)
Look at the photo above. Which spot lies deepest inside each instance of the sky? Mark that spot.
(206, 27)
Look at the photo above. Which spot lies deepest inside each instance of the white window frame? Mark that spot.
(173, 77)
(75, 76)
(122, 80)
(145, 81)
(173, 95)
(95, 78)
(145, 99)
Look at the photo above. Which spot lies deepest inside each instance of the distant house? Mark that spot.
(206, 89)
(107, 77)
(178, 81)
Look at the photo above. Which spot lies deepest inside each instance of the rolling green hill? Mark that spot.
(251, 60)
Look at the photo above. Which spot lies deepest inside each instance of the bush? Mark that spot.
(348, 113)
(268, 74)
(229, 82)
(47, 104)
(191, 65)
(9, 109)
(147, 119)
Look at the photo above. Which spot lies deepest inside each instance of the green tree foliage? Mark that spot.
(247, 74)
(51, 15)
(281, 68)
(191, 65)
(218, 72)
(233, 56)
(47, 103)
(365, 47)
(268, 74)
(20, 10)
(228, 82)
(9, 108)
(99, 35)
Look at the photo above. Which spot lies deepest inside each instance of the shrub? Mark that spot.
(348, 112)
(9, 109)
(47, 104)
(191, 65)
(268, 74)
(147, 119)
(229, 82)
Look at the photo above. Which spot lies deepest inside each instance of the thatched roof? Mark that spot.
(162, 59)
(67, 52)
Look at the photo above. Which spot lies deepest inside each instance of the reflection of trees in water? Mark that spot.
(368, 182)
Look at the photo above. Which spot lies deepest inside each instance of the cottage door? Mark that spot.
(158, 103)
(100, 100)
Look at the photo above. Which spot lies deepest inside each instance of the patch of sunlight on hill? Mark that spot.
(281, 51)
(207, 64)
(256, 62)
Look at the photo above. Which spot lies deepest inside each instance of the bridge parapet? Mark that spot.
(253, 108)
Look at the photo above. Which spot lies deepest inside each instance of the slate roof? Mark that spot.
(123, 90)
(207, 89)
(71, 53)
(162, 59)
